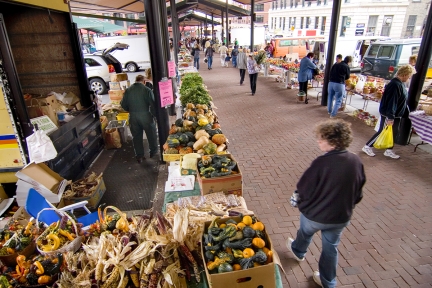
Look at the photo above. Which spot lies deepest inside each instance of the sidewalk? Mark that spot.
(388, 243)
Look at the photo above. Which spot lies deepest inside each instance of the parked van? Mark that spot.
(346, 46)
(291, 45)
(383, 58)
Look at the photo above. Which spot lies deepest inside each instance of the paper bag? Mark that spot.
(40, 147)
(112, 139)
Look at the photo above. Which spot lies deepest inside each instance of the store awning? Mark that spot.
(97, 25)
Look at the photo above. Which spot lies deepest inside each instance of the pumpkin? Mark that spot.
(247, 220)
(174, 129)
(269, 254)
(223, 225)
(255, 264)
(248, 252)
(258, 242)
(258, 226)
(165, 146)
(237, 267)
(200, 111)
(219, 139)
(185, 150)
(190, 106)
(173, 143)
(216, 125)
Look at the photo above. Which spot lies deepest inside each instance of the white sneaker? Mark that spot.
(317, 279)
(391, 154)
(288, 245)
(368, 150)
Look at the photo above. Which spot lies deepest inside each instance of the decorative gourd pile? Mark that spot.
(198, 132)
(216, 166)
(235, 246)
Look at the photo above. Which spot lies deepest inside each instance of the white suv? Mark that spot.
(99, 68)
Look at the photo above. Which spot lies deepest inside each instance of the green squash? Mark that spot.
(190, 144)
(183, 139)
(172, 136)
(225, 267)
(173, 143)
(209, 148)
(179, 122)
(248, 232)
(171, 151)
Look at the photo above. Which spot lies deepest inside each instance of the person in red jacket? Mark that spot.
(327, 194)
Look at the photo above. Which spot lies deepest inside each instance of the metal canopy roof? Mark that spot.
(192, 19)
(210, 6)
(137, 6)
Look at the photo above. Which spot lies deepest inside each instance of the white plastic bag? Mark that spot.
(360, 83)
(40, 147)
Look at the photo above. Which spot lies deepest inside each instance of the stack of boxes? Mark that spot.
(118, 84)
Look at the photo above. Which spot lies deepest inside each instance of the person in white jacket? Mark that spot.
(223, 53)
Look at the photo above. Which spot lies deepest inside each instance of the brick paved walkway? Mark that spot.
(388, 243)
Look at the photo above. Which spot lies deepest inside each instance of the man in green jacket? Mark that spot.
(139, 101)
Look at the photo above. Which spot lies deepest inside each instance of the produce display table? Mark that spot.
(422, 125)
(366, 97)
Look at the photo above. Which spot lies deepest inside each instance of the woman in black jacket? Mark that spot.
(392, 107)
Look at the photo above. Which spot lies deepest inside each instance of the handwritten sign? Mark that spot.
(166, 93)
(171, 69)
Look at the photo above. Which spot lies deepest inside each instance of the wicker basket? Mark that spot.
(71, 246)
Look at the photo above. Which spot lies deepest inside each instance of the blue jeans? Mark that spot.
(330, 234)
(196, 63)
(336, 92)
(234, 61)
(209, 61)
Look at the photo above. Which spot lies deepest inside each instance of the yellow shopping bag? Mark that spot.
(385, 139)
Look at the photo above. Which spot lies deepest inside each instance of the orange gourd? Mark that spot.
(218, 139)
(216, 125)
(269, 254)
(241, 225)
(237, 267)
(247, 220)
(248, 252)
(258, 226)
(258, 242)
(223, 225)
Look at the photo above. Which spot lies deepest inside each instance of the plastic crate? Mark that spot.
(123, 116)
(121, 126)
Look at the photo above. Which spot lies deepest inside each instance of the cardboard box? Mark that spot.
(116, 96)
(231, 184)
(122, 85)
(41, 178)
(260, 276)
(93, 200)
(119, 77)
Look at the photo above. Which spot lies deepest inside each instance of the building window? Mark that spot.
(318, 2)
(293, 23)
(347, 1)
(259, 7)
(325, 2)
(387, 21)
(259, 19)
(316, 22)
(283, 27)
(280, 22)
(301, 22)
(309, 3)
(291, 3)
(323, 24)
(303, 3)
(343, 26)
(285, 4)
(271, 23)
(106, 14)
(372, 24)
(308, 21)
(273, 4)
(412, 19)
